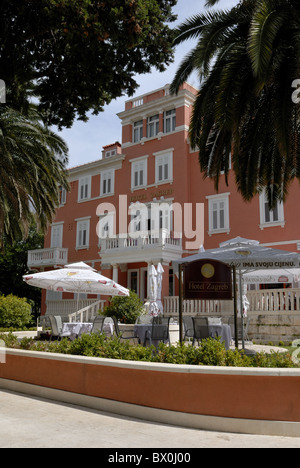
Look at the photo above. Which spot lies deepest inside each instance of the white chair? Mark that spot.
(57, 328)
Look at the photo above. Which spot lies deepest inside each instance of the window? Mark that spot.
(105, 227)
(83, 234)
(137, 131)
(139, 217)
(133, 280)
(218, 207)
(109, 154)
(269, 217)
(56, 236)
(136, 222)
(153, 126)
(84, 191)
(164, 167)
(107, 182)
(139, 173)
(165, 218)
(62, 195)
(170, 121)
(53, 296)
(171, 283)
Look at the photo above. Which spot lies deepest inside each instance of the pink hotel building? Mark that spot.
(154, 166)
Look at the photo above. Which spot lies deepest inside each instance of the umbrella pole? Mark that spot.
(236, 338)
(180, 305)
(241, 308)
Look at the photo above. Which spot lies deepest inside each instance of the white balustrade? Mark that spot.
(87, 314)
(162, 239)
(265, 301)
(272, 300)
(47, 257)
(69, 307)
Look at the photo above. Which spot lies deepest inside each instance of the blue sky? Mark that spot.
(85, 140)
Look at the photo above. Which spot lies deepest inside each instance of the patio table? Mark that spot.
(222, 330)
(140, 331)
(77, 328)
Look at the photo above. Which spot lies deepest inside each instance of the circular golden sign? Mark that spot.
(208, 270)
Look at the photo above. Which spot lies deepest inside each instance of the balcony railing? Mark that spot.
(265, 301)
(47, 257)
(161, 239)
(274, 300)
(82, 310)
(196, 307)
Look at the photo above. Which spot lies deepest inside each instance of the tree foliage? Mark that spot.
(80, 54)
(32, 166)
(14, 311)
(13, 265)
(126, 309)
(247, 58)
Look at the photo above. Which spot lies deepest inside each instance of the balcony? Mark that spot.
(47, 258)
(145, 248)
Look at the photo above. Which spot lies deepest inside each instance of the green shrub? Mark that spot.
(126, 309)
(210, 353)
(274, 360)
(14, 312)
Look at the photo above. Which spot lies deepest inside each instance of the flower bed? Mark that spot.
(211, 352)
(246, 400)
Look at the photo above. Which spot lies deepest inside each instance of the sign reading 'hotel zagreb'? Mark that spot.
(207, 279)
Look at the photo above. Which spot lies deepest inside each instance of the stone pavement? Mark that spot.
(30, 422)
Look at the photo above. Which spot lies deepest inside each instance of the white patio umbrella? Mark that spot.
(160, 272)
(245, 255)
(273, 276)
(151, 304)
(76, 278)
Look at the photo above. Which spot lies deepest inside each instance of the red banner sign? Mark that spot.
(207, 279)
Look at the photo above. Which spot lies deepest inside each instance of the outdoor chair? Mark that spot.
(98, 324)
(57, 327)
(159, 330)
(188, 327)
(201, 329)
(143, 319)
(119, 333)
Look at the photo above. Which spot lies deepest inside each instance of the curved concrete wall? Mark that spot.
(231, 399)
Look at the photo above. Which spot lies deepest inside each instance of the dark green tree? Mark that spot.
(32, 166)
(13, 265)
(248, 58)
(80, 54)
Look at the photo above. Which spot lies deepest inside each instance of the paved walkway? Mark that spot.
(27, 422)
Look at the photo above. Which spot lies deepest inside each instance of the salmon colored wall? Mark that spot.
(255, 397)
(244, 216)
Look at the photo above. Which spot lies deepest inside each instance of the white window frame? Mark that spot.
(164, 167)
(106, 227)
(170, 121)
(83, 233)
(152, 126)
(218, 213)
(107, 183)
(62, 196)
(53, 296)
(137, 129)
(109, 154)
(138, 279)
(272, 215)
(139, 173)
(84, 188)
(57, 235)
(229, 166)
